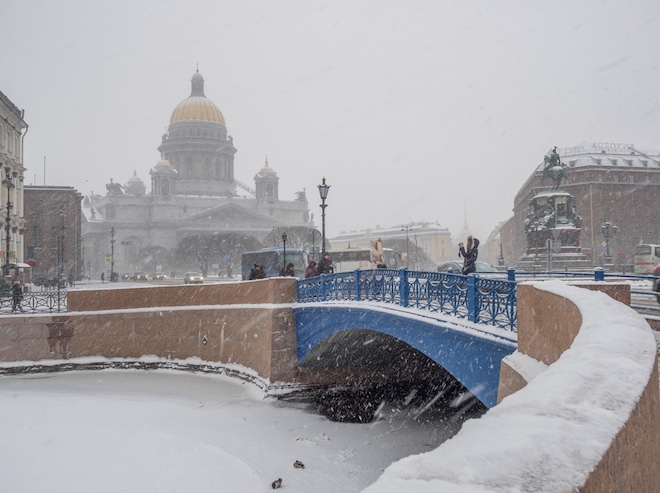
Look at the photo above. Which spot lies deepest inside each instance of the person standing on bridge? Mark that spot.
(325, 265)
(311, 270)
(469, 255)
(377, 255)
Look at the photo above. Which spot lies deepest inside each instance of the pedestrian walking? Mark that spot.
(16, 296)
(469, 255)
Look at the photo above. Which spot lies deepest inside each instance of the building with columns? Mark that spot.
(12, 222)
(193, 192)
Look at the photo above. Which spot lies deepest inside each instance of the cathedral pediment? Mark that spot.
(228, 216)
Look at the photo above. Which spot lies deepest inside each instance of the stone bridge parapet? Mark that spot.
(249, 324)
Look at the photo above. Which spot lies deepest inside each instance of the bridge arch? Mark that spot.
(470, 356)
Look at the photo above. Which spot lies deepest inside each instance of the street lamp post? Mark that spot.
(112, 254)
(406, 229)
(61, 263)
(9, 183)
(284, 253)
(608, 229)
(323, 192)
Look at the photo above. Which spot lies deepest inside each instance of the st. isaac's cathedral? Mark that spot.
(193, 193)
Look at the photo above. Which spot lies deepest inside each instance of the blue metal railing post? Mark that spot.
(599, 274)
(511, 274)
(322, 287)
(403, 287)
(357, 284)
(471, 298)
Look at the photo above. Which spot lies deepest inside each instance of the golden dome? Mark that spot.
(197, 106)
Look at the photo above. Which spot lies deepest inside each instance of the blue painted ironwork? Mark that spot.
(49, 301)
(480, 299)
(472, 359)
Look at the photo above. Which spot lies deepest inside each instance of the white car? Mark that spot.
(193, 278)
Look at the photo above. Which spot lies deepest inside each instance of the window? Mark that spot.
(599, 178)
(616, 178)
(631, 178)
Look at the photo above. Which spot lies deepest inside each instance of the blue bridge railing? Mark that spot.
(480, 299)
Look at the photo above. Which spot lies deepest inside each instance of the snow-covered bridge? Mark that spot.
(464, 324)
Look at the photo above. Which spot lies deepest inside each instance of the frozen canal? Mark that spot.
(166, 431)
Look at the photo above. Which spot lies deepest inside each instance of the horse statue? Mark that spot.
(553, 169)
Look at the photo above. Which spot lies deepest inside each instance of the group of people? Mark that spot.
(257, 272)
(324, 267)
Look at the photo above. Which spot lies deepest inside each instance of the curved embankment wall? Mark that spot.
(579, 406)
(249, 324)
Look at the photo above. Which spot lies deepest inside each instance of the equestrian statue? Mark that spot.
(553, 169)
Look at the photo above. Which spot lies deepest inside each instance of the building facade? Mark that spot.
(12, 222)
(611, 183)
(433, 239)
(53, 245)
(193, 193)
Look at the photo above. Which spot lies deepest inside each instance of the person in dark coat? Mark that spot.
(261, 273)
(311, 270)
(254, 273)
(469, 255)
(289, 271)
(325, 265)
(16, 296)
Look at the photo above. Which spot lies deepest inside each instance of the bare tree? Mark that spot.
(297, 237)
(224, 249)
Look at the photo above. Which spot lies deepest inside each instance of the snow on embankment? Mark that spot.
(550, 435)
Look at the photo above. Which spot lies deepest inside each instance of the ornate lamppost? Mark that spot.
(406, 229)
(61, 263)
(323, 192)
(9, 183)
(112, 254)
(284, 253)
(608, 229)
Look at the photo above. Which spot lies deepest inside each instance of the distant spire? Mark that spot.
(465, 226)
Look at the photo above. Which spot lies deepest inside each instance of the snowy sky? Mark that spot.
(411, 110)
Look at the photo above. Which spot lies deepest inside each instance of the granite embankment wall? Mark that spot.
(249, 324)
(547, 326)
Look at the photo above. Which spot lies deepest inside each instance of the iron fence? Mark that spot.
(48, 301)
(480, 299)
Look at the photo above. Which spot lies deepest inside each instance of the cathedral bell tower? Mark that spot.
(266, 182)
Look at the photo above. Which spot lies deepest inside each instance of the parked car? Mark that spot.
(140, 276)
(193, 278)
(656, 282)
(456, 267)
(159, 276)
